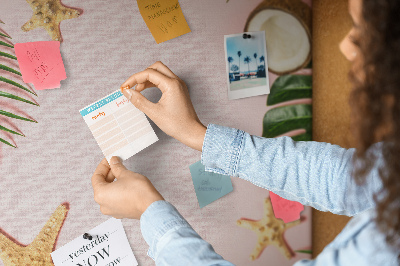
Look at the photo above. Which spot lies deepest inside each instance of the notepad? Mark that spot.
(41, 64)
(118, 126)
(164, 18)
(209, 186)
(284, 209)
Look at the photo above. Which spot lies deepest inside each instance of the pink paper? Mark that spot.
(284, 209)
(41, 64)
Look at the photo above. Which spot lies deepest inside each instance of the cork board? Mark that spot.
(331, 90)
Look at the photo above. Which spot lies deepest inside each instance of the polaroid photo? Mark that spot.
(246, 64)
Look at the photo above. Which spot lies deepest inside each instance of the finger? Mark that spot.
(110, 177)
(142, 86)
(100, 174)
(159, 80)
(104, 210)
(140, 102)
(117, 167)
(160, 67)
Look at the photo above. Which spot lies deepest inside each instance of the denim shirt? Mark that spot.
(312, 173)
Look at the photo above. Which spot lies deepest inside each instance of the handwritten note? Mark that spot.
(284, 209)
(41, 64)
(209, 186)
(164, 18)
(109, 246)
(118, 126)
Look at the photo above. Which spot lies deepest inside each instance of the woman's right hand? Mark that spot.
(174, 112)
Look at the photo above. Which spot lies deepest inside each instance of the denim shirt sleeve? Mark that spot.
(312, 173)
(172, 241)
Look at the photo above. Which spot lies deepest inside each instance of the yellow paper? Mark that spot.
(164, 18)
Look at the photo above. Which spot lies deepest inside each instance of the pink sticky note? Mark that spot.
(41, 64)
(284, 209)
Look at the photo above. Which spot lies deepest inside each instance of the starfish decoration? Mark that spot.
(270, 231)
(48, 14)
(38, 252)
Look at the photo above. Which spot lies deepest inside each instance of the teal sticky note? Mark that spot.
(209, 186)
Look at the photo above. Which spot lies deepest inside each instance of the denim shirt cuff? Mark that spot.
(158, 219)
(222, 148)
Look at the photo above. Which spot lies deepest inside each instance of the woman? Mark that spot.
(317, 174)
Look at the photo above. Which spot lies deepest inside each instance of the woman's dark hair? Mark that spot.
(375, 103)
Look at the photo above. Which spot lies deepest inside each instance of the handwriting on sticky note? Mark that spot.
(164, 18)
(108, 246)
(209, 186)
(41, 64)
(284, 209)
(118, 126)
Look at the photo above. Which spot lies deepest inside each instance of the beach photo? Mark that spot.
(246, 64)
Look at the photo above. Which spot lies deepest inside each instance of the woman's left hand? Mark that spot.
(127, 197)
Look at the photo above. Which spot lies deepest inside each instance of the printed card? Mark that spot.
(108, 246)
(41, 64)
(118, 126)
(209, 186)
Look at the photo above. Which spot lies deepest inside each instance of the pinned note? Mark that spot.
(41, 64)
(118, 126)
(284, 209)
(107, 246)
(209, 186)
(164, 18)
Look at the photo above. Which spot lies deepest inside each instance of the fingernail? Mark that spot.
(124, 88)
(115, 160)
(128, 94)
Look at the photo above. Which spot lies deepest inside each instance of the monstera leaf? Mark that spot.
(285, 118)
(290, 87)
(6, 45)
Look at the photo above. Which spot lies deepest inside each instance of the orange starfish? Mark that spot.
(38, 252)
(270, 231)
(48, 14)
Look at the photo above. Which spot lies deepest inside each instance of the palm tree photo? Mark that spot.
(239, 53)
(255, 60)
(262, 59)
(247, 61)
(230, 60)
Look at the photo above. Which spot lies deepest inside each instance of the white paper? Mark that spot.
(108, 247)
(118, 126)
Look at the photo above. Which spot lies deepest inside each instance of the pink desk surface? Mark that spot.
(55, 162)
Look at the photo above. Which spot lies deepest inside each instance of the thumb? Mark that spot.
(138, 100)
(116, 166)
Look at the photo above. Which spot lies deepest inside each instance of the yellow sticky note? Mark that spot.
(164, 18)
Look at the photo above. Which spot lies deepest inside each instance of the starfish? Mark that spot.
(48, 14)
(270, 231)
(38, 252)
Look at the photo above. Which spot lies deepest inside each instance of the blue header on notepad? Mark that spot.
(101, 103)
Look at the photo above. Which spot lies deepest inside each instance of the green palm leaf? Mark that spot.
(12, 96)
(290, 87)
(307, 251)
(5, 113)
(9, 95)
(6, 142)
(7, 55)
(281, 120)
(16, 85)
(9, 69)
(5, 35)
(11, 131)
(6, 44)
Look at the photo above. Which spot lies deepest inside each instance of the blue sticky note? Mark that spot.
(209, 186)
